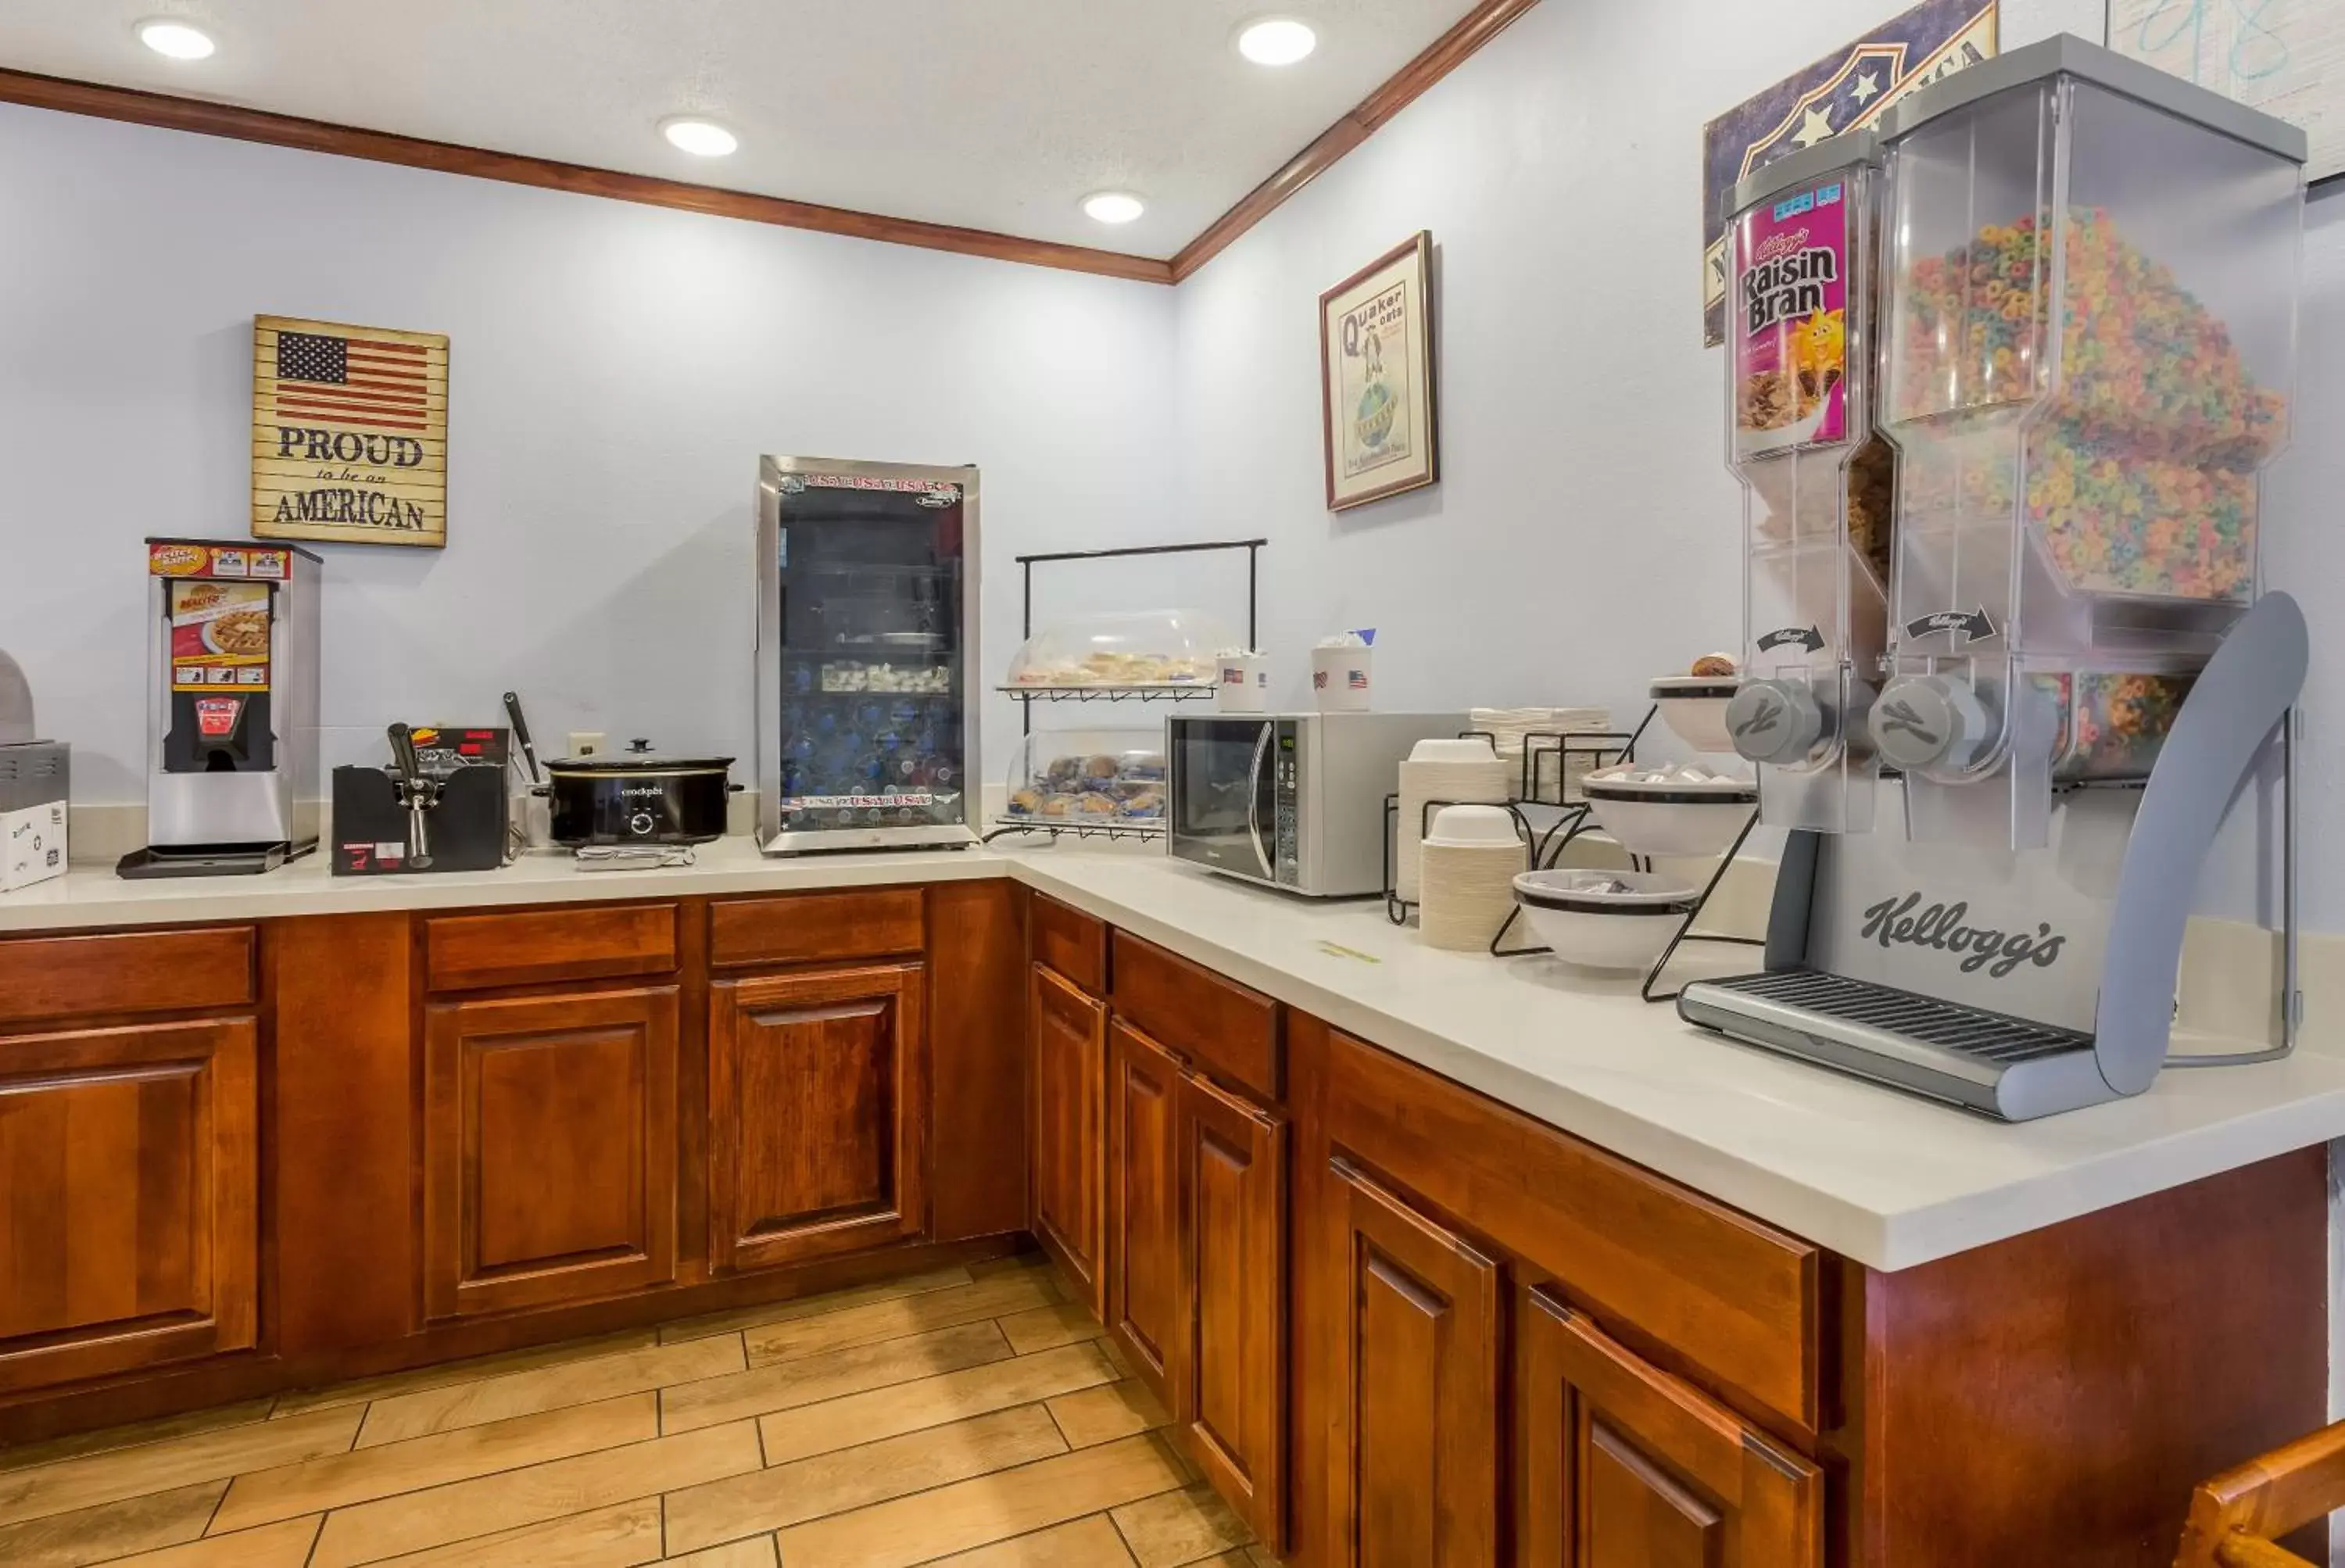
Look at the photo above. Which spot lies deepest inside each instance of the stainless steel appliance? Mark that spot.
(232, 768)
(1289, 801)
(867, 656)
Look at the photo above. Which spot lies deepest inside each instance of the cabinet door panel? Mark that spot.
(817, 1096)
(1147, 1308)
(1070, 1130)
(1625, 1466)
(1417, 1440)
(129, 1183)
(1232, 1405)
(550, 1153)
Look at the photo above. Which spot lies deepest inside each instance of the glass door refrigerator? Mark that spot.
(867, 656)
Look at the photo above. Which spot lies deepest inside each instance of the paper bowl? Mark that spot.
(1695, 707)
(1572, 912)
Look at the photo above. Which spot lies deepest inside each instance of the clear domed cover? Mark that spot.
(1134, 648)
(1089, 778)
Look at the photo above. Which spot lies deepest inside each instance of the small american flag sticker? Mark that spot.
(349, 433)
(1357, 679)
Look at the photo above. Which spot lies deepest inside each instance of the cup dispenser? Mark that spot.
(2087, 343)
(1816, 482)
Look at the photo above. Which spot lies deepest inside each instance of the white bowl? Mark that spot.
(1604, 919)
(1472, 827)
(1469, 749)
(1695, 707)
(1672, 819)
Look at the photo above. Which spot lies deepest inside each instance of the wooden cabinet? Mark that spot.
(129, 1197)
(1414, 1479)
(1232, 1402)
(1147, 1302)
(818, 1095)
(1623, 1464)
(549, 1148)
(1070, 1131)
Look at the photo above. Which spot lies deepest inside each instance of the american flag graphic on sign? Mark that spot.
(352, 381)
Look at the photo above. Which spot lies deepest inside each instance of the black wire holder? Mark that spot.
(1543, 848)
(1028, 695)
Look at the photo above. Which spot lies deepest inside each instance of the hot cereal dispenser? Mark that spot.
(232, 782)
(2086, 341)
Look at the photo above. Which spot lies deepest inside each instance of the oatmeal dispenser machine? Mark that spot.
(2085, 350)
(232, 774)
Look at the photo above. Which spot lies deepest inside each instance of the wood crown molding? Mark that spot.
(1475, 28)
(1485, 22)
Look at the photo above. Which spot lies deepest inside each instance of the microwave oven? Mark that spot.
(1289, 801)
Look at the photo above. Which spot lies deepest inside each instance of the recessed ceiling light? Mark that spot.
(1114, 206)
(176, 39)
(703, 138)
(1276, 40)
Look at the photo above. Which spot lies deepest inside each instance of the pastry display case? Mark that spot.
(1074, 779)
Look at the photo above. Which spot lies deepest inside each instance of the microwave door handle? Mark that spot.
(1254, 803)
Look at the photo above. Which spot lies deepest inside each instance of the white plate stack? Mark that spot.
(1511, 728)
(1441, 770)
(1471, 860)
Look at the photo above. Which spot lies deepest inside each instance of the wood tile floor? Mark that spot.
(964, 1416)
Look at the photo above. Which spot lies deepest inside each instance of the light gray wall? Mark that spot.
(615, 372)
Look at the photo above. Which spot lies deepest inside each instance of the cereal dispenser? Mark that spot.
(2091, 334)
(1815, 477)
(2088, 296)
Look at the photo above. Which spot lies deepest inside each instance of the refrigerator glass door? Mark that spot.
(871, 654)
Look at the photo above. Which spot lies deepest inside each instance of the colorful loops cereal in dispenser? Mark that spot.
(1816, 480)
(2091, 275)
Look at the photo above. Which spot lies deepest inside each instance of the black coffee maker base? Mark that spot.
(207, 860)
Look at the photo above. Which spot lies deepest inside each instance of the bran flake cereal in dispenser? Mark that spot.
(1817, 479)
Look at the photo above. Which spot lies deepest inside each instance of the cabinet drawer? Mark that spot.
(1070, 941)
(808, 927)
(580, 941)
(125, 972)
(1718, 1290)
(1228, 1031)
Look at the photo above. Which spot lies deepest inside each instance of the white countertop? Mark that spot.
(1885, 1179)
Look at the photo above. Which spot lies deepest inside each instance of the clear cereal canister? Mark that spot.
(1800, 394)
(2089, 321)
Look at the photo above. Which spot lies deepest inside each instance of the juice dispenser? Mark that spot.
(1815, 477)
(2088, 334)
(232, 782)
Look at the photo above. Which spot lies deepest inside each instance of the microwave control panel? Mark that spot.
(1286, 841)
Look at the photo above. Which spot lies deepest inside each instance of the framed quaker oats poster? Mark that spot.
(349, 433)
(1375, 377)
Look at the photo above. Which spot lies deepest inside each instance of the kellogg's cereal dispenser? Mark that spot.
(2091, 339)
(2087, 336)
(232, 778)
(1815, 477)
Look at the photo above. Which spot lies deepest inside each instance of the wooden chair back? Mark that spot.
(2238, 1518)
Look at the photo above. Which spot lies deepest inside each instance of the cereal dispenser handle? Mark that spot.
(2248, 688)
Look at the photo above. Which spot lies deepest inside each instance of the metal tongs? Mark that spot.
(421, 794)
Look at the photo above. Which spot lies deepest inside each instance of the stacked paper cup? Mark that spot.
(1465, 770)
(1471, 859)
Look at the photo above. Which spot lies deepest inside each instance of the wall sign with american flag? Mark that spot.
(349, 433)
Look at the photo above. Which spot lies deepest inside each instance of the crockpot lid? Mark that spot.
(638, 762)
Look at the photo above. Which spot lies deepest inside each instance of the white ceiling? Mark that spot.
(992, 114)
